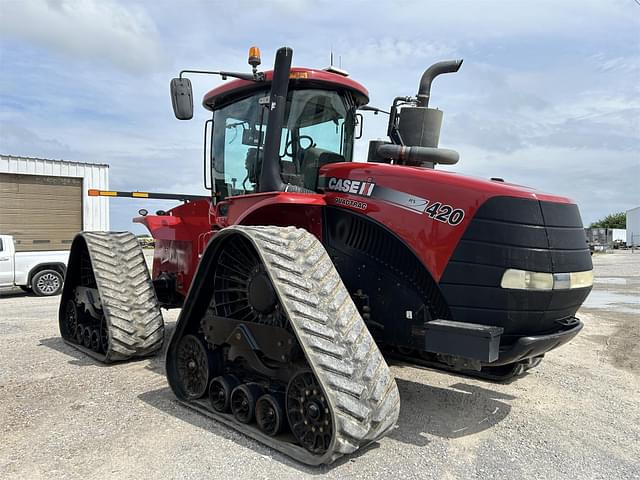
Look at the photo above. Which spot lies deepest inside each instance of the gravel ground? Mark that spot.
(577, 415)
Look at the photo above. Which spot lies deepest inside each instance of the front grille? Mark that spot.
(524, 234)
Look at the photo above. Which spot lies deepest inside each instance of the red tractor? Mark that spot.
(304, 265)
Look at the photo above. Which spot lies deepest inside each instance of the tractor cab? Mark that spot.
(318, 128)
(272, 131)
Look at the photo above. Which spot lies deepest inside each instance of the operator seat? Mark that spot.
(253, 164)
(313, 159)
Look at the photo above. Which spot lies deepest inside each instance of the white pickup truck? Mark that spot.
(41, 272)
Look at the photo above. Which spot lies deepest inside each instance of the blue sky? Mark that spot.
(548, 96)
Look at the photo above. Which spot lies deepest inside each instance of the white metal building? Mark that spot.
(43, 203)
(633, 227)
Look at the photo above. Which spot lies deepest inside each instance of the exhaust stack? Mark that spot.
(414, 128)
(424, 91)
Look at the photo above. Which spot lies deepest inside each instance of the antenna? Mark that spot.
(338, 70)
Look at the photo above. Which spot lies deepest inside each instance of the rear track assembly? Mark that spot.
(108, 307)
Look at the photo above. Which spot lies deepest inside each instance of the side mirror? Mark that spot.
(182, 98)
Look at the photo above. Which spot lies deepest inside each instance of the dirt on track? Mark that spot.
(577, 415)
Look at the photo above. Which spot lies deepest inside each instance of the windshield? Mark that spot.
(318, 129)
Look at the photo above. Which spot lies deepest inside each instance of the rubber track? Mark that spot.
(129, 303)
(355, 379)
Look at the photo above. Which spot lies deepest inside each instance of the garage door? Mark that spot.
(41, 212)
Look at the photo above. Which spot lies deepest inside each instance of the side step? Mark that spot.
(466, 340)
(126, 312)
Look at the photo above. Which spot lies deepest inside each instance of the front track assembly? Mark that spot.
(270, 343)
(108, 307)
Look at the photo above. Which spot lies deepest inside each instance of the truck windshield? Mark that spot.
(316, 121)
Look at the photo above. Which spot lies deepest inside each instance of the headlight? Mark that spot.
(525, 280)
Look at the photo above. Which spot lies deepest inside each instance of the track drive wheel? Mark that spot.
(220, 392)
(193, 367)
(308, 413)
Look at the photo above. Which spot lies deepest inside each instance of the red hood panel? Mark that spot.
(428, 209)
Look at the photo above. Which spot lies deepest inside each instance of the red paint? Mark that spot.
(322, 78)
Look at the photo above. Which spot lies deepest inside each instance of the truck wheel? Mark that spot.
(47, 283)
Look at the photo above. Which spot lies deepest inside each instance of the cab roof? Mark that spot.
(299, 78)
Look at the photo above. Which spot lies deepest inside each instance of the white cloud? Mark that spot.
(90, 29)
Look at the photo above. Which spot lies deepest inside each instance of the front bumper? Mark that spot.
(536, 345)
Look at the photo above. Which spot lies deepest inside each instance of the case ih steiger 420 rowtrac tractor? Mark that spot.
(303, 265)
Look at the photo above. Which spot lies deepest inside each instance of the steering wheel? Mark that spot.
(300, 147)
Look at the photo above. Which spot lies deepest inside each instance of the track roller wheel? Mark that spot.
(95, 339)
(104, 336)
(243, 401)
(71, 318)
(86, 337)
(269, 414)
(193, 367)
(308, 413)
(79, 334)
(220, 392)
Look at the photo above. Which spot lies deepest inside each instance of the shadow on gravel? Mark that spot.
(453, 412)
(163, 399)
(155, 363)
(78, 358)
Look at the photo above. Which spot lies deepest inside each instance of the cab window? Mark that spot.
(317, 123)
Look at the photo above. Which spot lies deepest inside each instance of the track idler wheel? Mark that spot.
(220, 392)
(243, 401)
(308, 413)
(269, 414)
(193, 367)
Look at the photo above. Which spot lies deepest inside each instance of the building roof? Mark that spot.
(69, 162)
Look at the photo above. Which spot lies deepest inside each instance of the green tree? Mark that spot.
(613, 220)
